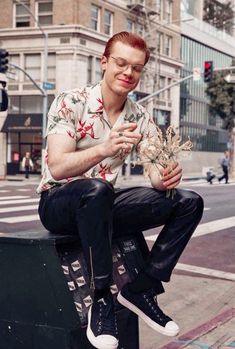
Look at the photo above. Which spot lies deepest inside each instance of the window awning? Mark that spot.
(22, 123)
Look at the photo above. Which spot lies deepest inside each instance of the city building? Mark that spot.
(200, 42)
(68, 38)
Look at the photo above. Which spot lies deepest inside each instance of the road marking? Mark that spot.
(214, 226)
(7, 202)
(205, 271)
(207, 228)
(20, 219)
(23, 189)
(18, 208)
(13, 197)
(4, 191)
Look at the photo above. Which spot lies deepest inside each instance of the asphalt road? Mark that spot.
(18, 212)
(202, 284)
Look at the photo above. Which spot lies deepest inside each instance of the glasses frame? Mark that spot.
(136, 68)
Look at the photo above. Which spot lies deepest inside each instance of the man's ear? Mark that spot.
(103, 63)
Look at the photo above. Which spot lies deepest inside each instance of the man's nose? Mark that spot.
(128, 70)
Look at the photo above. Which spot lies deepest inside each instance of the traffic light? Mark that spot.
(208, 71)
(3, 61)
(3, 99)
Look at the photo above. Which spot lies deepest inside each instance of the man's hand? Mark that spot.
(171, 176)
(120, 138)
(168, 178)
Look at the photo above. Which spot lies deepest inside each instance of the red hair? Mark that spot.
(130, 39)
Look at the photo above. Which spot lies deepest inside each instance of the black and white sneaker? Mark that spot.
(144, 304)
(102, 325)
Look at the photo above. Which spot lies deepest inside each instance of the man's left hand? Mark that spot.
(171, 175)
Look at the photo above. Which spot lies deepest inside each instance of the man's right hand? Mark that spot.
(120, 138)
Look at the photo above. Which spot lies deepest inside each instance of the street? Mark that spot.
(202, 284)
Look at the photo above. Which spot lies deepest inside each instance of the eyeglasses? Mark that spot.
(123, 65)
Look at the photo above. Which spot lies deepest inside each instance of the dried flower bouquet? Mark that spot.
(162, 150)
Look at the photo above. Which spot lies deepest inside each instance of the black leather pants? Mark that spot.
(95, 211)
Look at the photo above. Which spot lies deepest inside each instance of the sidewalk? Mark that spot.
(204, 309)
(135, 179)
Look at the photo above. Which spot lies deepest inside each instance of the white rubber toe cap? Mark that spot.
(107, 340)
(172, 328)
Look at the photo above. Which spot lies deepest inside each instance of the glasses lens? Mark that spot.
(121, 63)
(138, 68)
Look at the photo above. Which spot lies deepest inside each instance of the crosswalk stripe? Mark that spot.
(20, 219)
(18, 208)
(214, 226)
(13, 197)
(205, 271)
(7, 202)
(23, 189)
(207, 228)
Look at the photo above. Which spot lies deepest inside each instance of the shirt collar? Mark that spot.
(95, 103)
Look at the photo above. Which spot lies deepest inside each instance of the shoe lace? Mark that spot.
(106, 320)
(152, 303)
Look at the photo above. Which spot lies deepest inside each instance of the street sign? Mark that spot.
(48, 86)
(12, 75)
(196, 74)
(230, 78)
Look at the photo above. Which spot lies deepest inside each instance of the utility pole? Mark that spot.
(45, 63)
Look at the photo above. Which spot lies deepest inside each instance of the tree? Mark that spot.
(222, 103)
(221, 99)
(218, 14)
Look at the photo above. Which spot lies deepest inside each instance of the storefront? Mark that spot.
(24, 134)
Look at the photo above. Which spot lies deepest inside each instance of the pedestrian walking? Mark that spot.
(210, 176)
(225, 164)
(91, 131)
(27, 164)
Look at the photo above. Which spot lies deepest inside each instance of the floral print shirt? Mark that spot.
(79, 114)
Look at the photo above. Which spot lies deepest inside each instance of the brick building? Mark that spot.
(77, 31)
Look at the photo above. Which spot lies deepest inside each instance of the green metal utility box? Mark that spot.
(45, 295)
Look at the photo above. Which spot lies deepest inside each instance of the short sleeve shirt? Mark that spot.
(79, 114)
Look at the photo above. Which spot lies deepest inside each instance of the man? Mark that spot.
(90, 133)
(225, 164)
(27, 164)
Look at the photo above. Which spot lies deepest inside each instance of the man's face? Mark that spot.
(123, 68)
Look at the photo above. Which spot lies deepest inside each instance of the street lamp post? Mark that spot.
(45, 62)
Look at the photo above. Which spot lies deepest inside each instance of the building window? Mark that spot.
(89, 70)
(158, 4)
(169, 89)
(162, 81)
(98, 71)
(167, 45)
(168, 10)
(32, 64)
(51, 67)
(95, 17)
(15, 73)
(161, 117)
(45, 12)
(140, 29)
(159, 42)
(130, 25)
(22, 16)
(108, 22)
